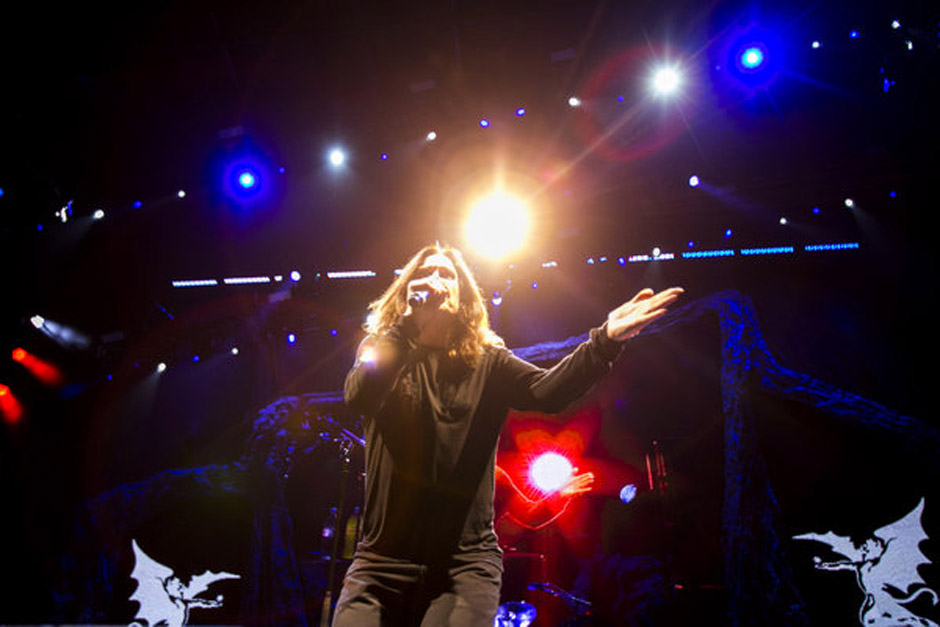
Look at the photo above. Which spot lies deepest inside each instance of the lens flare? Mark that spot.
(497, 226)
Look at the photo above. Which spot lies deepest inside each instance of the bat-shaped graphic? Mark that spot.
(162, 597)
(886, 568)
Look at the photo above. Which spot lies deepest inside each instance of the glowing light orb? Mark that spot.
(161, 367)
(550, 472)
(666, 81)
(752, 58)
(98, 214)
(247, 179)
(497, 225)
(694, 181)
(337, 157)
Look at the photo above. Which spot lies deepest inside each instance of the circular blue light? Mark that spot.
(728, 233)
(484, 123)
(291, 338)
(853, 34)
(520, 111)
(333, 332)
(752, 58)
(295, 275)
(247, 179)
(137, 204)
(1, 191)
(694, 181)
(384, 156)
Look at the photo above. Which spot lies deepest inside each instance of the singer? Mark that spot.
(434, 383)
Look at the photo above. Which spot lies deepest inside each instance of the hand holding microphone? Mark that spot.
(429, 308)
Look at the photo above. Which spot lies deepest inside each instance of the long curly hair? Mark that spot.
(472, 333)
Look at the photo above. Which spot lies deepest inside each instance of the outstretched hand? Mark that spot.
(631, 317)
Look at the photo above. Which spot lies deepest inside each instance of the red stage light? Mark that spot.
(41, 369)
(9, 405)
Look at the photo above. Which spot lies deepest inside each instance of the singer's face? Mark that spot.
(438, 276)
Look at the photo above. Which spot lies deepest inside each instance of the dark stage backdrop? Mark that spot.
(788, 397)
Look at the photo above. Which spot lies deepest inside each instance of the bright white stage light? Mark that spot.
(574, 101)
(550, 472)
(181, 193)
(337, 157)
(98, 214)
(666, 81)
(849, 203)
(37, 321)
(431, 136)
(694, 181)
(161, 367)
(497, 225)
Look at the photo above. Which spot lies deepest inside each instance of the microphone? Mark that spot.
(419, 298)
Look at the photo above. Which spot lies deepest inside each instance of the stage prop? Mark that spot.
(267, 584)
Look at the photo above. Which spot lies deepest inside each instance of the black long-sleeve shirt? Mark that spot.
(431, 426)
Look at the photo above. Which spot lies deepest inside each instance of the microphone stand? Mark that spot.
(345, 448)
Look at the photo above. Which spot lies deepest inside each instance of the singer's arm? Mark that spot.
(379, 362)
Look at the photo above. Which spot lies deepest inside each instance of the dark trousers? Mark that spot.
(379, 591)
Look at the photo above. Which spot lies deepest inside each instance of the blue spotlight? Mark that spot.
(751, 59)
(247, 179)
(384, 156)
(295, 275)
(137, 204)
(484, 123)
(520, 112)
(854, 34)
(1, 191)
(334, 332)
(291, 338)
(694, 181)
